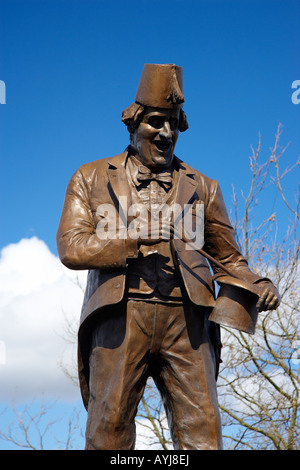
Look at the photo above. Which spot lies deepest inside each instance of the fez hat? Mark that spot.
(161, 86)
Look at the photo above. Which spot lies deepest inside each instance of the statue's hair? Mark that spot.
(133, 115)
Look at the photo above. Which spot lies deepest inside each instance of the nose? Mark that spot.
(165, 131)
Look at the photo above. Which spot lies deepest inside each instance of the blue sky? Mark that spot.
(71, 66)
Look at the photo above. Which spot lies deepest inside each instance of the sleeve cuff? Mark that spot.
(265, 280)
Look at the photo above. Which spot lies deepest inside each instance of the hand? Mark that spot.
(152, 233)
(155, 232)
(269, 298)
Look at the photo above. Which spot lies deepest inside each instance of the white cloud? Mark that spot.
(37, 293)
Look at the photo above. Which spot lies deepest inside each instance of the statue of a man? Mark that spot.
(129, 220)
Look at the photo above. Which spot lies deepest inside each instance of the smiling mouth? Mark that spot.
(163, 146)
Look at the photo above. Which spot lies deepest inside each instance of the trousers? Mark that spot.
(171, 343)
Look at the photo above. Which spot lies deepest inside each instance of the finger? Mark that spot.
(273, 303)
(261, 300)
(166, 233)
(153, 230)
(171, 229)
(263, 296)
(269, 298)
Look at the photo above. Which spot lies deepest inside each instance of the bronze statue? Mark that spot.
(150, 297)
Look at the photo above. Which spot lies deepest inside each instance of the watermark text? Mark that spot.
(296, 94)
(2, 92)
(162, 221)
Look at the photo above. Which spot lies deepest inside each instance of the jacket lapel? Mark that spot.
(119, 184)
(186, 185)
(185, 197)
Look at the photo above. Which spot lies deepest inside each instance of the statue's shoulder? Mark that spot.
(100, 166)
(199, 177)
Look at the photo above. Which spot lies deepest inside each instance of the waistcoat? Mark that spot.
(154, 273)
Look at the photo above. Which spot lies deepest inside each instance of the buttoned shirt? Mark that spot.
(153, 275)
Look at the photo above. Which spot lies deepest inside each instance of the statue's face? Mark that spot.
(155, 138)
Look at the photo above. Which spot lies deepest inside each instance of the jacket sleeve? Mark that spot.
(78, 245)
(220, 240)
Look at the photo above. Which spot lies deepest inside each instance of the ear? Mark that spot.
(183, 124)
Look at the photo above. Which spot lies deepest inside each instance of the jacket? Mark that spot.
(79, 247)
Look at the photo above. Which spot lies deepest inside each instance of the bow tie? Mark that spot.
(144, 174)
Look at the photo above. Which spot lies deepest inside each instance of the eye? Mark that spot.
(156, 121)
(174, 124)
